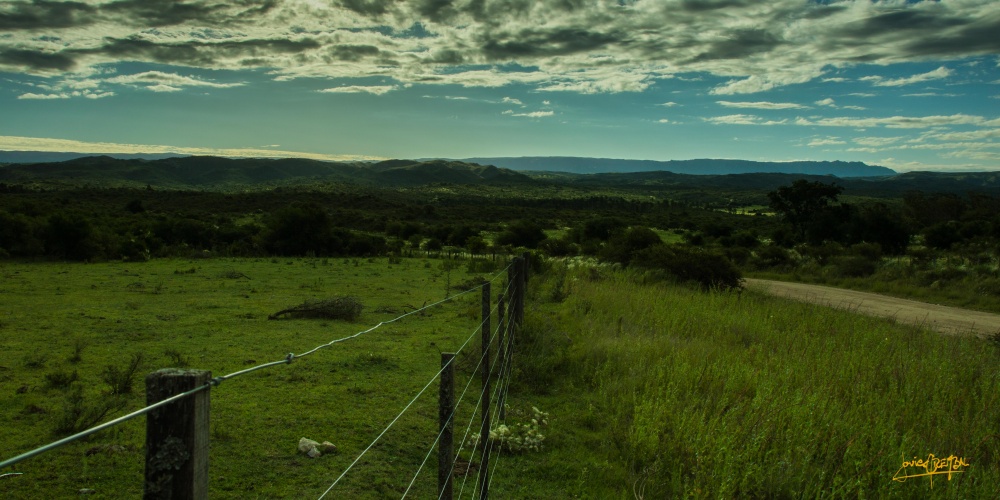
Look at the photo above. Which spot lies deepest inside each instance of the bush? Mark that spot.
(121, 380)
(854, 266)
(78, 415)
(772, 256)
(624, 246)
(708, 269)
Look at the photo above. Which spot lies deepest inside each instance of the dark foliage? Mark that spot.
(709, 270)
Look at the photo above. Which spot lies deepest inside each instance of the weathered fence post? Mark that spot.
(446, 407)
(177, 436)
(484, 434)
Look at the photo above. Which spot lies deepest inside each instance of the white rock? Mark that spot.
(327, 447)
(308, 446)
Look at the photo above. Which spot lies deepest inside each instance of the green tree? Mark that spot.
(802, 202)
(523, 233)
(301, 229)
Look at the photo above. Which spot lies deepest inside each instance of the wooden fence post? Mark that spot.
(484, 434)
(177, 436)
(446, 407)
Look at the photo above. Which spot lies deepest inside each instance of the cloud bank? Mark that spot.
(583, 46)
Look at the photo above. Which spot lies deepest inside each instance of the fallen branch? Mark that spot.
(346, 308)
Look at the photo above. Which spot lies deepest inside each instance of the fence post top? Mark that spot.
(179, 372)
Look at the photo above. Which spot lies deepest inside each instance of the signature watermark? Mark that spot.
(930, 467)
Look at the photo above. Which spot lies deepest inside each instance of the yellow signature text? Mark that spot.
(930, 467)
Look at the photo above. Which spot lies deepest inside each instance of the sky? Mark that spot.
(910, 85)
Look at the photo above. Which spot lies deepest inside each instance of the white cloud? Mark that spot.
(511, 100)
(894, 121)
(16, 143)
(360, 89)
(160, 80)
(533, 114)
(749, 85)
(162, 88)
(931, 94)
(826, 102)
(831, 141)
(742, 120)
(663, 120)
(668, 104)
(31, 95)
(761, 105)
(937, 74)
(876, 141)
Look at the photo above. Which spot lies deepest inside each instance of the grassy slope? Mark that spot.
(649, 387)
(734, 395)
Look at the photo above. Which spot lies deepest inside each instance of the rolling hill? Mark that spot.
(209, 172)
(693, 167)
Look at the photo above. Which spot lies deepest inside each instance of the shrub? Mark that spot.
(772, 256)
(623, 247)
(77, 414)
(121, 380)
(708, 269)
(854, 266)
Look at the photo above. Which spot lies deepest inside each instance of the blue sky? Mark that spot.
(911, 85)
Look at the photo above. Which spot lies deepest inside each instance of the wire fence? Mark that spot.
(499, 371)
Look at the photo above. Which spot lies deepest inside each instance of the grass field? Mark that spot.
(212, 314)
(654, 390)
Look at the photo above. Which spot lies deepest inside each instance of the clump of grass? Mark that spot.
(79, 345)
(121, 380)
(344, 308)
(61, 379)
(35, 360)
(177, 359)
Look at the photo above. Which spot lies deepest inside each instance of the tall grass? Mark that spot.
(727, 395)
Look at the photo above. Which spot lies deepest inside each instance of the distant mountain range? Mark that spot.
(693, 167)
(50, 156)
(568, 164)
(209, 173)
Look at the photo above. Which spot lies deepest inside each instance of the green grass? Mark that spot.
(651, 388)
(201, 314)
(744, 395)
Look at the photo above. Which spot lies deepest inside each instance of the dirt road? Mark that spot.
(949, 320)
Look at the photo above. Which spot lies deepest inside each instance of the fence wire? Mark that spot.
(218, 380)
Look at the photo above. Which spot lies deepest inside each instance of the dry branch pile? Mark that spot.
(346, 308)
